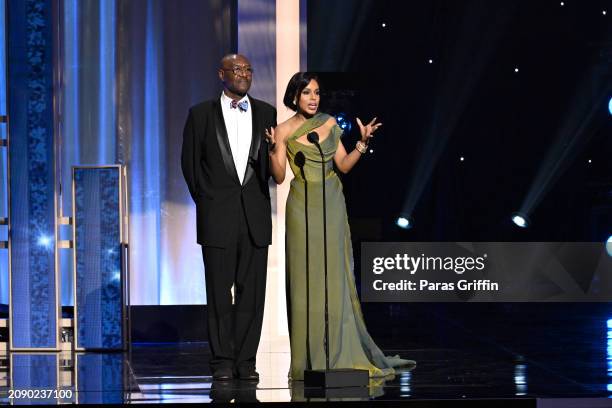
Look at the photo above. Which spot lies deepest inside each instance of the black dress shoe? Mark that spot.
(221, 391)
(223, 374)
(247, 374)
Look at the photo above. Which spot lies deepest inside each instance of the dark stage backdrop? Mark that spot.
(129, 71)
(519, 89)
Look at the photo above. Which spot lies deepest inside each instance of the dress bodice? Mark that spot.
(329, 145)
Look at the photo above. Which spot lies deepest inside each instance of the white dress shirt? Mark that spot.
(239, 132)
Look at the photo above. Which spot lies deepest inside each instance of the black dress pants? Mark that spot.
(234, 330)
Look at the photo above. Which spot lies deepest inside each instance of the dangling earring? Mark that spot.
(295, 101)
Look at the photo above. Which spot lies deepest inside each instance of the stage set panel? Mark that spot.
(99, 237)
(33, 281)
(100, 256)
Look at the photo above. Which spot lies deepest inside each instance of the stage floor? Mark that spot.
(547, 355)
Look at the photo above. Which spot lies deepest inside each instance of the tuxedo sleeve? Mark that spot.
(273, 118)
(190, 156)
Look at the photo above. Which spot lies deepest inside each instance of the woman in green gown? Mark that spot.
(350, 345)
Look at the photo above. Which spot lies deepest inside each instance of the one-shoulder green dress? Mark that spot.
(350, 344)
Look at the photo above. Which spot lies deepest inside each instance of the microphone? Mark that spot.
(313, 137)
(300, 159)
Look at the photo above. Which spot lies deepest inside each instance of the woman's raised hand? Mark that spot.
(368, 130)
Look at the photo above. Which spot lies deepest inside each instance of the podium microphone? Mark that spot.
(313, 137)
(300, 161)
(329, 378)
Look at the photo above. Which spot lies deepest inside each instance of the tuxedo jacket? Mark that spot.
(208, 168)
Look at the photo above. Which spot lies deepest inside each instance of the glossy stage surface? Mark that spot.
(544, 355)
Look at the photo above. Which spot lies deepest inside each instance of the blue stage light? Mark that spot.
(344, 122)
(609, 247)
(520, 220)
(520, 379)
(45, 241)
(404, 223)
(610, 106)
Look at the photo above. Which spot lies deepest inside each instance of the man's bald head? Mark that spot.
(236, 73)
(229, 60)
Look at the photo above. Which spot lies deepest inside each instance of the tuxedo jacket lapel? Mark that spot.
(223, 140)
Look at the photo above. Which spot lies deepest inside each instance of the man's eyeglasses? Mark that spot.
(240, 70)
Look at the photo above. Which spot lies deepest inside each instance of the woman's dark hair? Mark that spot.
(296, 85)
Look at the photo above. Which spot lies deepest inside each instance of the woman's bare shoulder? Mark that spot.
(331, 121)
(283, 126)
(329, 124)
(284, 129)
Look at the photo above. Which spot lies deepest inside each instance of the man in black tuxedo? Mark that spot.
(225, 164)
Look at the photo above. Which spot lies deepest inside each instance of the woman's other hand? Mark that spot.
(367, 131)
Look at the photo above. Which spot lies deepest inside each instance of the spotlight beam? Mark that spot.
(580, 125)
(475, 42)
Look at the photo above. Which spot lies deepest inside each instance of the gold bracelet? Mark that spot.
(361, 147)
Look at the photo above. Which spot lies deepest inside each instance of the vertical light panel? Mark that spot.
(106, 47)
(146, 172)
(67, 137)
(33, 295)
(287, 64)
(3, 58)
(3, 159)
(99, 294)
